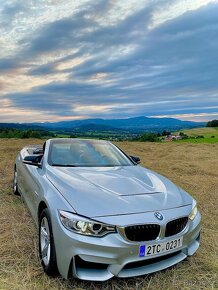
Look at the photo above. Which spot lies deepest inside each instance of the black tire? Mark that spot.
(49, 264)
(15, 187)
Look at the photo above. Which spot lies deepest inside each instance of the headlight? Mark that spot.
(193, 213)
(83, 225)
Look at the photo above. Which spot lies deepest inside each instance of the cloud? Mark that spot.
(10, 11)
(7, 64)
(200, 117)
(109, 55)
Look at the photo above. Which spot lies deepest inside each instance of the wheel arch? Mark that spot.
(41, 207)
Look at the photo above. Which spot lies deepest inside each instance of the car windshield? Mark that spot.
(82, 153)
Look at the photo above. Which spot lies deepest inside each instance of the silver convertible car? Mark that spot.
(100, 214)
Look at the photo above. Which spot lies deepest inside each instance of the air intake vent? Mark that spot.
(176, 226)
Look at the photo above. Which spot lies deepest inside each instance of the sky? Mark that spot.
(65, 60)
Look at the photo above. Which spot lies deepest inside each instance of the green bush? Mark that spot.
(213, 123)
(149, 137)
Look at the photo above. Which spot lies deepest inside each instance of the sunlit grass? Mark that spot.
(210, 135)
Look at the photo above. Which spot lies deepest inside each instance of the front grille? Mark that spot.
(176, 226)
(140, 233)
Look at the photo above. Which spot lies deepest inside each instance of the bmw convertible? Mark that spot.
(100, 214)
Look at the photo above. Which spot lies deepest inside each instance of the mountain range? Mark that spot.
(136, 124)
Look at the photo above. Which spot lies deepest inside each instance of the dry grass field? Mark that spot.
(192, 166)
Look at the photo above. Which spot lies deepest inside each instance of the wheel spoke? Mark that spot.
(45, 250)
(48, 252)
(43, 232)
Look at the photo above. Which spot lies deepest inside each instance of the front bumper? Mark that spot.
(99, 259)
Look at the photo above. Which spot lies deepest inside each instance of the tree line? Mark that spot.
(213, 123)
(17, 133)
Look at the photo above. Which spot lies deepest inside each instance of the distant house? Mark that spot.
(172, 137)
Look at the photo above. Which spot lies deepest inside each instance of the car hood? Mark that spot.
(104, 191)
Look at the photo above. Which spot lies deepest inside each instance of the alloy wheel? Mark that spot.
(45, 241)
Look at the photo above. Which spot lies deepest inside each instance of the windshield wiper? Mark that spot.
(64, 165)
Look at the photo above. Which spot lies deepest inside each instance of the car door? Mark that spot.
(32, 188)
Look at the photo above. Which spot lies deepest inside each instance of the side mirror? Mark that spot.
(136, 159)
(33, 160)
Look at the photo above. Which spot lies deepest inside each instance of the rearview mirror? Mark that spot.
(136, 159)
(33, 160)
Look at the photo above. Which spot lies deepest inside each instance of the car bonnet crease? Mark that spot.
(103, 191)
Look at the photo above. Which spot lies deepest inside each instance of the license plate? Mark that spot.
(154, 249)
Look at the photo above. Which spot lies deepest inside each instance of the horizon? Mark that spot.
(135, 117)
(73, 60)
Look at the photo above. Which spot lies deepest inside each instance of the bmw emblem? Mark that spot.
(158, 215)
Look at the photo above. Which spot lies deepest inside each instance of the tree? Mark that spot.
(166, 133)
(213, 123)
(150, 137)
(183, 135)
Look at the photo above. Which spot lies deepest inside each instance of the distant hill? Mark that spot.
(136, 125)
(21, 126)
(131, 124)
(92, 127)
